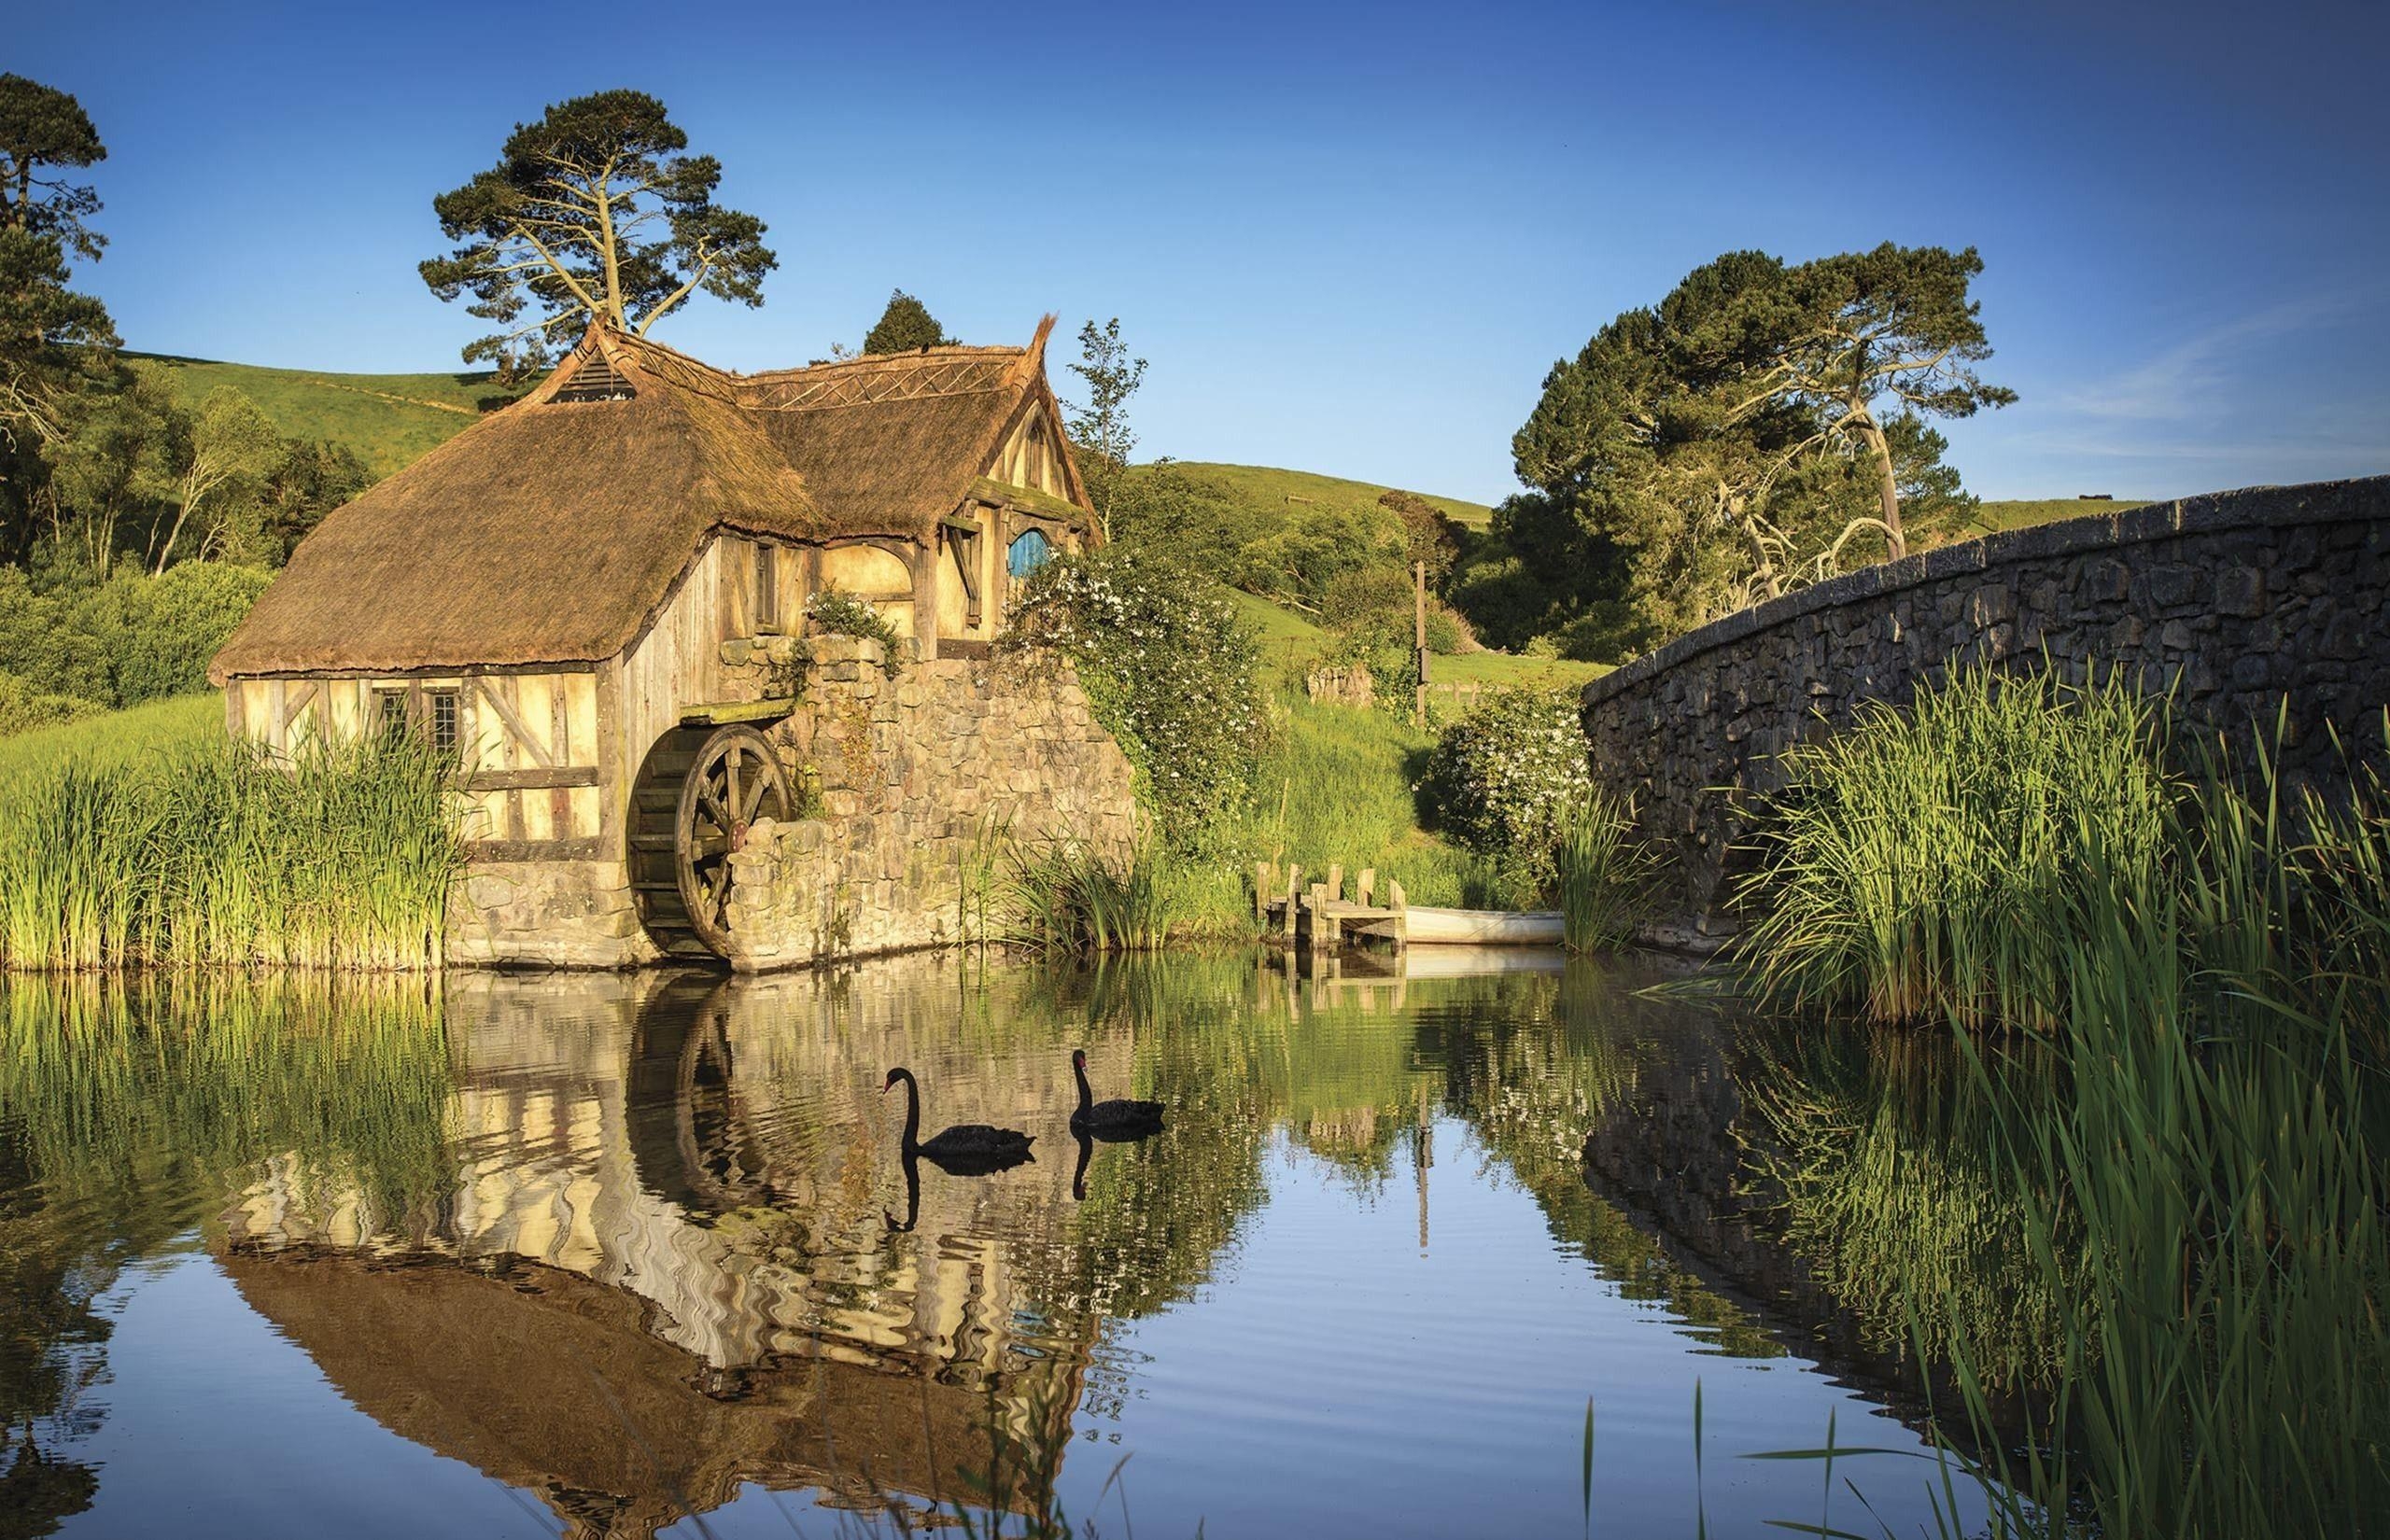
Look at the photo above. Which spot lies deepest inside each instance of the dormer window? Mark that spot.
(598, 380)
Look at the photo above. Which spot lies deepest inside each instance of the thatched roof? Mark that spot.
(545, 1381)
(550, 531)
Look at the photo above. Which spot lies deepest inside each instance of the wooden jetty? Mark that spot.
(1318, 916)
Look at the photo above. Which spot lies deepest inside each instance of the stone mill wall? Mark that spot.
(909, 774)
(915, 776)
(2237, 602)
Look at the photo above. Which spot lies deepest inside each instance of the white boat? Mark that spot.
(1427, 927)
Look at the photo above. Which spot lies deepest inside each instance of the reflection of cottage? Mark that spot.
(664, 1266)
(597, 598)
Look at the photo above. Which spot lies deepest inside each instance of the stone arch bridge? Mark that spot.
(2240, 603)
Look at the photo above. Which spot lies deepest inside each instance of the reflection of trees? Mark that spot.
(1536, 1065)
(1894, 1192)
(123, 1106)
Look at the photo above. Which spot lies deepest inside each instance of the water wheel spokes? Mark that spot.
(735, 780)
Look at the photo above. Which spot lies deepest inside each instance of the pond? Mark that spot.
(637, 1255)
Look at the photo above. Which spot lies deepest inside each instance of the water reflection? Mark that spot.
(633, 1245)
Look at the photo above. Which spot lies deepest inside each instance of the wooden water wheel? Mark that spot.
(700, 792)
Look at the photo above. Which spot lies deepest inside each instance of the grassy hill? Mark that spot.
(2015, 513)
(1285, 491)
(387, 419)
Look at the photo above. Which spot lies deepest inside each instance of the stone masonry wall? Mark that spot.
(2237, 602)
(916, 773)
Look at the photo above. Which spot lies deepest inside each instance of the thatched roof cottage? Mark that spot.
(585, 589)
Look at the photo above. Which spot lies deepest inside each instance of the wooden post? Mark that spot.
(1419, 639)
(1335, 881)
(1294, 891)
(1260, 891)
(1365, 886)
(1401, 904)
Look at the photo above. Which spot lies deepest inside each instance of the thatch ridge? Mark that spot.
(550, 531)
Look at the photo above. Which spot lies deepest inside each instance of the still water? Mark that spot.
(630, 1255)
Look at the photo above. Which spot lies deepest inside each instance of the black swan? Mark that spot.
(1110, 1119)
(967, 1149)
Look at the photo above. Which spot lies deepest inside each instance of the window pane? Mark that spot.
(1031, 551)
(444, 720)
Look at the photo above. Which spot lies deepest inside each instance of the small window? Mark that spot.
(768, 589)
(1030, 550)
(444, 720)
(391, 713)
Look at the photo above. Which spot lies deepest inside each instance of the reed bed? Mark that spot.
(1909, 859)
(126, 1086)
(1602, 874)
(214, 852)
(2206, 1201)
(1068, 896)
(2194, 1191)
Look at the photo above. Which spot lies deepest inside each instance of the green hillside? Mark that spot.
(2015, 513)
(387, 419)
(1283, 491)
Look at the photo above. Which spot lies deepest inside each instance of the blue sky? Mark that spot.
(1349, 239)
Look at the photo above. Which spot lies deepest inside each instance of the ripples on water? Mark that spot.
(623, 1255)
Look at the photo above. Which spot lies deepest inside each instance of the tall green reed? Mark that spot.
(217, 852)
(1072, 896)
(2207, 1201)
(1602, 873)
(1905, 859)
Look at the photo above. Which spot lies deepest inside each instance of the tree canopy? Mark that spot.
(1101, 427)
(1735, 440)
(591, 212)
(905, 326)
(53, 340)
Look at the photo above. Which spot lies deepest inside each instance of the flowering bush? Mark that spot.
(1170, 670)
(841, 614)
(1506, 779)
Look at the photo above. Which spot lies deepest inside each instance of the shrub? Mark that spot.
(1505, 779)
(130, 639)
(841, 614)
(22, 708)
(1170, 670)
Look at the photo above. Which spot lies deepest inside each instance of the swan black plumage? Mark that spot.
(1120, 1119)
(967, 1149)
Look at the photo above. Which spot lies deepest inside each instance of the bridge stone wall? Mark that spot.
(2236, 601)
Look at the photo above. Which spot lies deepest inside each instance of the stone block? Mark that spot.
(2241, 590)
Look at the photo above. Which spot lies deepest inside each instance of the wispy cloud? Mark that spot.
(2194, 377)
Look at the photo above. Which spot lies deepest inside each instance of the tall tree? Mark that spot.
(591, 212)
(1883, 333)
(904, 325)
(225, 450)
(1732, 440)
(43, 132)
(1101, 427)
(54, 341)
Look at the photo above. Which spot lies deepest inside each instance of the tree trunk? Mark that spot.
(1887, 491)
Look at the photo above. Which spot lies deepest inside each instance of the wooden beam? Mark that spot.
(542, 780)
(721, 713)
(515, 724)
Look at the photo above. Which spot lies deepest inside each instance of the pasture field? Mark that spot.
(1279, 493)
(389, 420)
(2017, 514)
(117, 739)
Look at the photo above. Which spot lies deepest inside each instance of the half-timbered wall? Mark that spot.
(527, 742)
(1032, 457)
